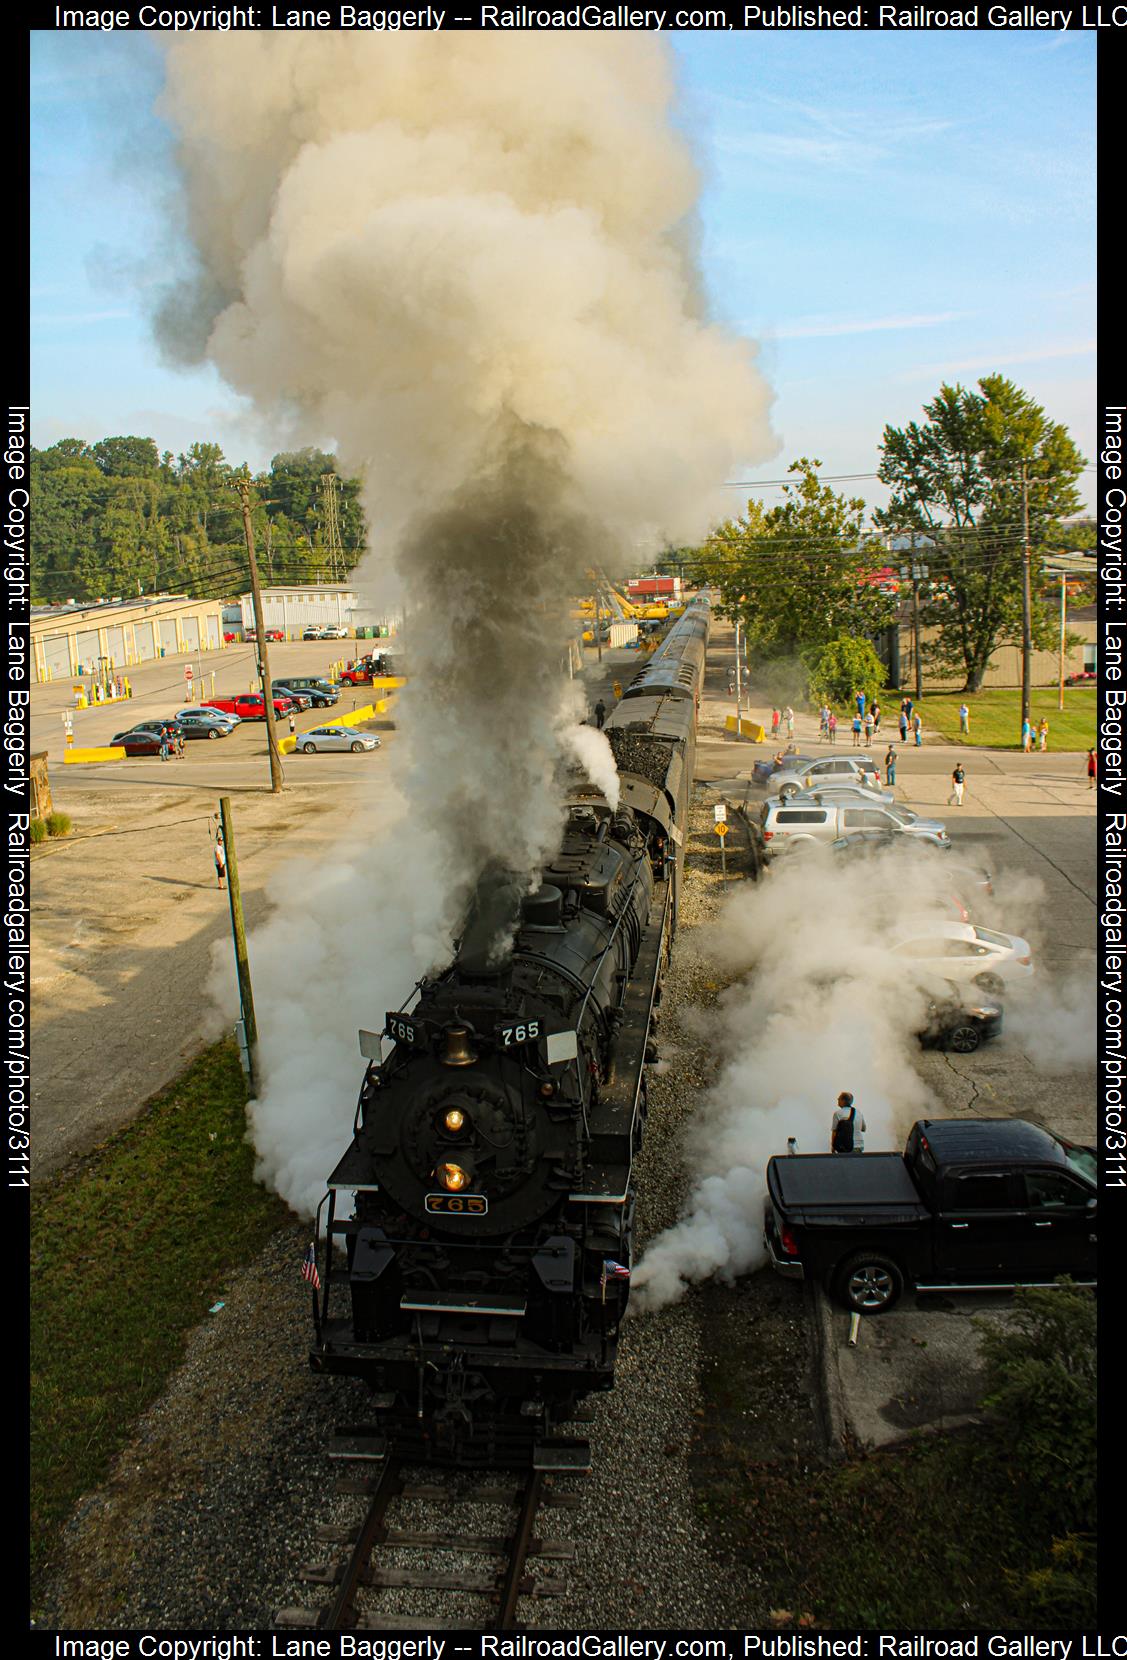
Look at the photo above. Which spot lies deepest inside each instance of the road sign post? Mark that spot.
(720, 815)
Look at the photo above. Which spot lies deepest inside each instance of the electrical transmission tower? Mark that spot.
(330, 484)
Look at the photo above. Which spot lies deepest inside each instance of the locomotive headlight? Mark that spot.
(454, 1120)
(453, 1177)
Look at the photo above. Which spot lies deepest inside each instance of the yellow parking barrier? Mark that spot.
(117, 754)
(748, 729)
(286, 746)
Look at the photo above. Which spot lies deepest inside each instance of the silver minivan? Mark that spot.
(789, 824)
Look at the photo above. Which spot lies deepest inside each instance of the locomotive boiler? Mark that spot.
(486, 1254)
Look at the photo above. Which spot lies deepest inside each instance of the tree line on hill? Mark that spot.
(980, 472)
(117, 519)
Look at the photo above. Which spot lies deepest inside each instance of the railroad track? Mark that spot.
(370, 1561)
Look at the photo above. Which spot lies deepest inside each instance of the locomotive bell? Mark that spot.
(457, 1051)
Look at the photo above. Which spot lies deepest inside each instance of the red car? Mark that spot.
(275, 634)
(249, 705)
(359, 674)
(140, 740)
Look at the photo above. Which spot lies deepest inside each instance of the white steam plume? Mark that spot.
(466, 262)
(823, 1007)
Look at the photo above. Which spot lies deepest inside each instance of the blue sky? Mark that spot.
(882, 212)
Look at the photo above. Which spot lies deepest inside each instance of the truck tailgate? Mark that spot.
(826, 1187)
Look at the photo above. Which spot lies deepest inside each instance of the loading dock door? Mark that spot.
(115, 647)
(168, 635)
(190, 633)
(56, 655)
(143, 641)
(213, 631)
(86, 644)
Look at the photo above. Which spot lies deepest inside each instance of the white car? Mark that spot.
(334, 632)
(834, 791)
(335, 737)
(964, 951)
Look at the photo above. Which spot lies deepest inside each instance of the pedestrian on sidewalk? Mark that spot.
(788, 716)
(824, 722)
(163, 745)
(903, 725)
(775, 718)
(859, 699)
(918, 729)
(831, 727)
(1043, 736)
(876, 717)
(1026, 737)
(869, 728)
(220, 864)
(600, 714)
(1091, 769)
(856, 724)
(890, 766)
(958, 779)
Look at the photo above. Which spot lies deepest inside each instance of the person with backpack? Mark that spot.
(847, 1134)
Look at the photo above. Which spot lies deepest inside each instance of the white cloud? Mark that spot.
(1000, 360)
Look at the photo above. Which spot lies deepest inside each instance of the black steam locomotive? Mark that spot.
(486, 1260)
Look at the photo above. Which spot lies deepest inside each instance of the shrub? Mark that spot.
(58, 824)
(1041, 1389)
(843, 667)
(38, 830)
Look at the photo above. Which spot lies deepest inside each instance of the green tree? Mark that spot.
(956, 481)
(794, 574)
(843, 667)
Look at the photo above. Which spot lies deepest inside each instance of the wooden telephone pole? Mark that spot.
(1026, 602)
(243, 487)
(239, 935)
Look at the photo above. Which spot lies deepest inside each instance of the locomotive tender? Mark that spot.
(486, 1263)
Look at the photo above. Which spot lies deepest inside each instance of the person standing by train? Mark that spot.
(847, 1132)
(600, 714)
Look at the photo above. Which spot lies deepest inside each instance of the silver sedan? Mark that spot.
(335, 737)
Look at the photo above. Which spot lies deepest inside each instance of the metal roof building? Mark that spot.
(100, 637)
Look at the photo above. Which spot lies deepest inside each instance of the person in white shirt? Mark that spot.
(847, 1133)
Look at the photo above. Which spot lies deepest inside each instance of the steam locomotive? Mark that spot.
(486, 1260)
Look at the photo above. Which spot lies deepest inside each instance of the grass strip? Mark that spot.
(995, 717)
(128, 1252)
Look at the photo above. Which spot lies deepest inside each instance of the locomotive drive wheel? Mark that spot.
(870, 1283)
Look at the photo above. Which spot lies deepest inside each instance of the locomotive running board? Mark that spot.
(612, 1122)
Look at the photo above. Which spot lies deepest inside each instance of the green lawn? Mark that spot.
(995, 716)
(128, 1253)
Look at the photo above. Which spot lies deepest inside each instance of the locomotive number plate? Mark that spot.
(518, 1031)
(403, 1028)
(457, 1204)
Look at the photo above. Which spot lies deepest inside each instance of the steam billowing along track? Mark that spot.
(487, 1259)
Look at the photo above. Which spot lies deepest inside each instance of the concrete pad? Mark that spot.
(916, 1369)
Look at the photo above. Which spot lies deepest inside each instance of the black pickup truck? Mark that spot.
(972, 1204)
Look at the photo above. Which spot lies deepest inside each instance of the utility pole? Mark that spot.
(239, 933)
(1026, 602)
(243, 487)
(1063, 606)
(599, 624)
(739, 687)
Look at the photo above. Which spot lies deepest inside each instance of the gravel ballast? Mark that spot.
(214, 1503)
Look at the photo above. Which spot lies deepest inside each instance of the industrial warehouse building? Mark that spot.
(107, 636)
(329, 604)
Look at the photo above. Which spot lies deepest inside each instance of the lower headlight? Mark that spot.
(453, 1177)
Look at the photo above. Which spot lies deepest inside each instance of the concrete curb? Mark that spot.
(840, 1429)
